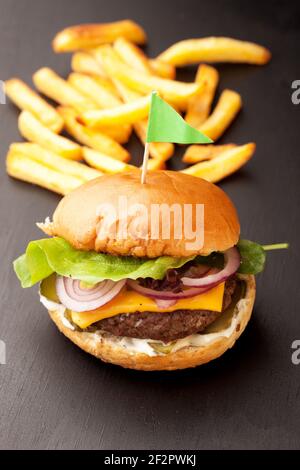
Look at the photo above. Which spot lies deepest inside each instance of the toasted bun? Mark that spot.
(184, 358)
(78, 220)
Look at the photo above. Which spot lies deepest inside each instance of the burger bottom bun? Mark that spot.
(190, 356)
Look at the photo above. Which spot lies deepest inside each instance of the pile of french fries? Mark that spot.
(106, 97)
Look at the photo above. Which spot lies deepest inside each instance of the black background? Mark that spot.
(52, 395)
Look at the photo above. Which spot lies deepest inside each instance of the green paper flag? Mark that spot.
(166, 125)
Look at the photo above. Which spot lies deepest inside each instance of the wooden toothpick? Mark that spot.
(145, 163)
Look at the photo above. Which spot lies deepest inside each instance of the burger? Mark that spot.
(140, 290)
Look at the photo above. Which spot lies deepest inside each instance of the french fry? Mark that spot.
(103, 98)
(132, 55)
(214, 49)
(200, 105)
(86, 36)
(24, 168)
(83, 62)
(105, 163)
(127, 113)
(93, 90)
(200, 153)
(120, 134)
(136, 58)
(59, 90)
(162, 69)
(177, 93)
(55, 161)
(159, 150)
(224, 113)
(108, 84)
(28, 100)
(32, 130)
(92, 138)
(127, 94)
(223, 165)
(156, 164)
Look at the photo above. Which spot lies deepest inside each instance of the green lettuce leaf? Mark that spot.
(55, 255)
(253, 257)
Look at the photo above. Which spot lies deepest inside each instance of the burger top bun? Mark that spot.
(81, 220)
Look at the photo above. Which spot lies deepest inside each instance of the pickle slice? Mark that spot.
(48, 288)
(225, 319)
(162, 348)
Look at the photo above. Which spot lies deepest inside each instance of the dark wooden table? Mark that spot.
(54, 396)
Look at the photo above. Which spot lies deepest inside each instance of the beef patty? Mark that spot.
(167, 326)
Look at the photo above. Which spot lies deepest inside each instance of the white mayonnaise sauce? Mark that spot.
(54, 306)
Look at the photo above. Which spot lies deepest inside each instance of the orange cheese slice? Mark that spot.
(129, 301)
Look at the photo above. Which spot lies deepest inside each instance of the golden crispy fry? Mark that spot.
(103, 98)
(132, 55)
(177, 93)
(104, 162)
(55, 161)
(223, 165)
(161, 69)
(59, 90)
(224, 113)
(27, 99)
(200, 153)
(32, 130)
(83, 62)
(127, 94)
(24, 168)
(160, 150)
(92, 138)
(127, 113)
(107, 83)
(85, 36)
(94, 91)
(156, 164)
(200, 105)
(136, 58)
(120, 134)
(214, 49)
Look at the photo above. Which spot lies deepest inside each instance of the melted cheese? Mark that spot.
(129, 301)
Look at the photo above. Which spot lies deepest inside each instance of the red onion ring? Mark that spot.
(75, 290)
(74, 297)
(215, 277)
(201, 269)
(232, 264)
(166, 295)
